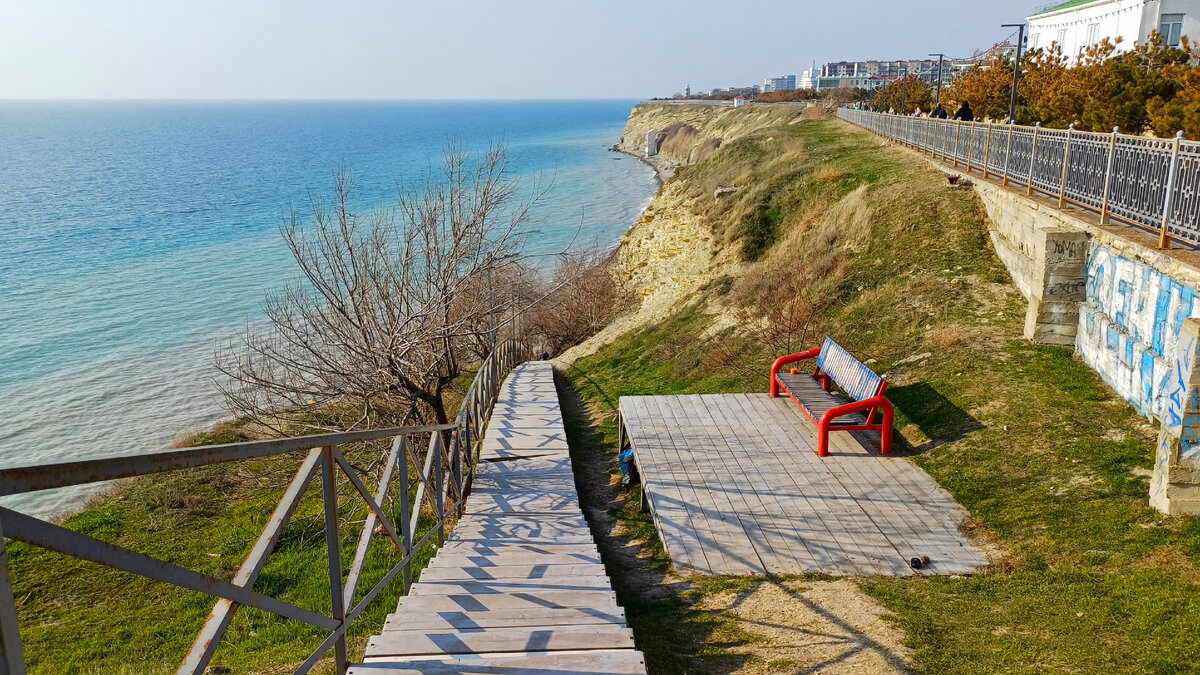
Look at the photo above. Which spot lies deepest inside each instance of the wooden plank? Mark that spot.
(729, 481)
(502, 618)
(512, 572)
(667, 507)
(714, 535)
(477, 559)
(624, 662)
(499, 640)
(777, 542)
(779, 455)
(481, 586)
(538, 600)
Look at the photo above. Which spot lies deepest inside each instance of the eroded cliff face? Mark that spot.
(689, 132)
(670, 253)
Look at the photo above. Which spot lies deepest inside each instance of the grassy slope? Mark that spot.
(79, 617)
(1048, 460)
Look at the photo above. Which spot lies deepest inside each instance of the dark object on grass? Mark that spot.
(952, 178)
(545, 356)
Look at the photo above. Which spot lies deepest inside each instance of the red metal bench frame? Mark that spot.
(826, 423)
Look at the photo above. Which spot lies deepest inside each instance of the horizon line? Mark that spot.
(152, 99)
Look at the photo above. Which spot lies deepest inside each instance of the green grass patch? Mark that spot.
(1049, 461)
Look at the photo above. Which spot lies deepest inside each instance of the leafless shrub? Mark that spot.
(581, 299)
(389, 305)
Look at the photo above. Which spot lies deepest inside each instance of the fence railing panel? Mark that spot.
(1153, 183)
(442, 478)
(1086, 165)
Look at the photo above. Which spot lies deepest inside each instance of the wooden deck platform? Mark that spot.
(519, 586)
(735, 487)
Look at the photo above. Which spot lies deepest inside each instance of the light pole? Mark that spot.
(1012, 102)
(941, 58)
(903, 91)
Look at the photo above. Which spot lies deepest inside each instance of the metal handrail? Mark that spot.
(1151, 183)
(443, 481)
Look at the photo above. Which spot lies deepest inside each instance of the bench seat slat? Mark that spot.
(809, 394)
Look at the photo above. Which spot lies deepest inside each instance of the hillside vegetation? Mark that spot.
(831, 232)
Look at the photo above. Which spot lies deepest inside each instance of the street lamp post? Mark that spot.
(941, 58)
(1012, 101)
(904, 91)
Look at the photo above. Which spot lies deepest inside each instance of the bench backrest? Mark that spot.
(852, 376)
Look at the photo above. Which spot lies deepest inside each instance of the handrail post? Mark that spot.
(987, 150)
(439, 486)
(925, 145)
(1062, 186)
(333, 547)
(1164, 239)
(1112, 150)
(1007, 151)
(1032, 157)
(12, 654)
(406, 533)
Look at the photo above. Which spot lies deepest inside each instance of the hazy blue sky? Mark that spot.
(459, 48)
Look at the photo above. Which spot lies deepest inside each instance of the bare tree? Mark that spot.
(389, 301)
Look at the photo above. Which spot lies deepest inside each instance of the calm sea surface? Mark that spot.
(136, 237)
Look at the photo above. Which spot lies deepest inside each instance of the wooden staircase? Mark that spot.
(518, 586)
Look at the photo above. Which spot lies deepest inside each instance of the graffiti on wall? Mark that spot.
(1129, 327)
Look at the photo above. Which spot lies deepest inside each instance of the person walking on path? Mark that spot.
(964, 113)
(938, 113)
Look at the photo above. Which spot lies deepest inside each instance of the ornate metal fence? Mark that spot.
(1152, 183)
(443, 478)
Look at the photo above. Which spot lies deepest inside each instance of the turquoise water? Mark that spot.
(136, 237)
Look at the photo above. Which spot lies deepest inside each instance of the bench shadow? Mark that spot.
(938, 419)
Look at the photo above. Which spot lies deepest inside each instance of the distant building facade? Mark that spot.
(781, 83)
(808, 79)
(1077, 25)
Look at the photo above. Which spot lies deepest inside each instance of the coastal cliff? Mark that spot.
(676, 248)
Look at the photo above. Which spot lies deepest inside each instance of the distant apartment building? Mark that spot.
(877, 74)
(735, 91)
(781, 83)
(1079, 24)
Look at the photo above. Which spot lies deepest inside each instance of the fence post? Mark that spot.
(970, 144)
(1032, 157)
(1112, 150)
(333, 546)
(987, 150)
(957, 132)
(1164, 239)
(926, 147)
(1007, 151)
(406, 533)
(12, 656)
(1062, 186)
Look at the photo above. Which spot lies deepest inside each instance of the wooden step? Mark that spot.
(499, 640)
(601, 599)
(411, 619)
(477, 587)
(510, 572)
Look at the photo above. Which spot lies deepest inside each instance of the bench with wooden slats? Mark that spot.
(813, 394)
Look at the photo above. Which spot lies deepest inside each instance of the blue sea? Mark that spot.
(137, 237)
